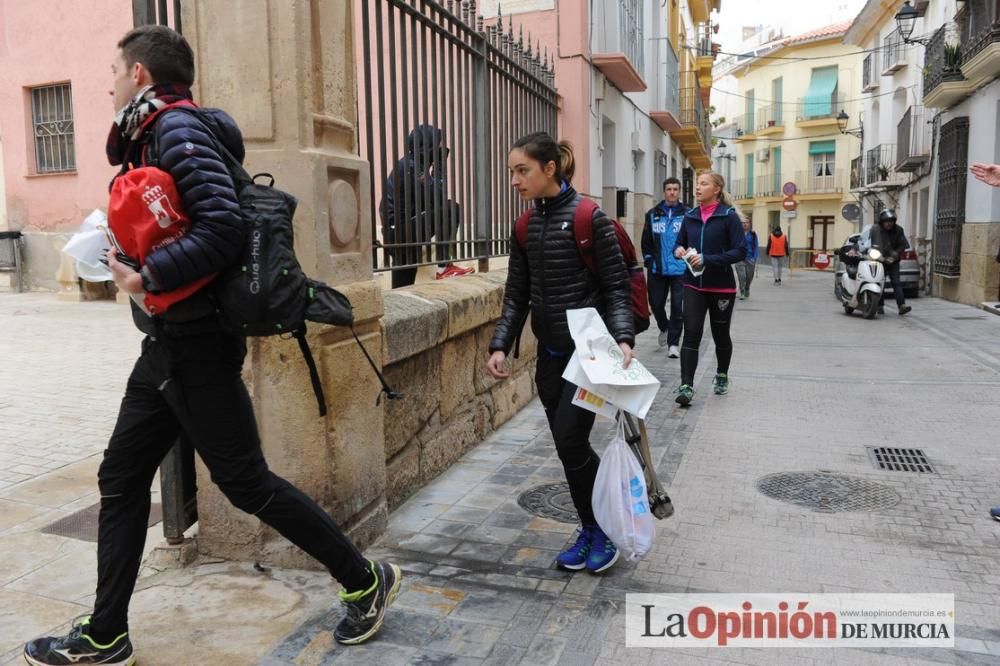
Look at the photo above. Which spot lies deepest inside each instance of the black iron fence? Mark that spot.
(892, 51)
(443, 99)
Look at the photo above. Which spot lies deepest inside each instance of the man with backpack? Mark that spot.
(187, 378)
(666, 272)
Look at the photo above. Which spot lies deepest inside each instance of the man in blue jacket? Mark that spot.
(665, 272)
(187, 379)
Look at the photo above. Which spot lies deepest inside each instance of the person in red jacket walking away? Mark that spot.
(777, 249)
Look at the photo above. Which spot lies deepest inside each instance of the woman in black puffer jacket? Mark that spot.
(548, 276)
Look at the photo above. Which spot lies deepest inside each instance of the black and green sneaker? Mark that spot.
(78, 647)
(720, 385)
(366, 609)
(684, 395)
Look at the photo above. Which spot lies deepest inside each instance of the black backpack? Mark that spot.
(265, 292)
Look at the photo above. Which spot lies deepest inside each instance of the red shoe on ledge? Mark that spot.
(451, 270)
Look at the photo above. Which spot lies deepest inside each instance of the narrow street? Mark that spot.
(812, 389)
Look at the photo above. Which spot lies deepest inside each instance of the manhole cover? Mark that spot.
(552, 501)
(900, 460)
(83, 524)
(828, 493)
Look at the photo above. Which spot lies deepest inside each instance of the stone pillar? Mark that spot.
(285, 71)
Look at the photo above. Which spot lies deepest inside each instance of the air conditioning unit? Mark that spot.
(764, 154)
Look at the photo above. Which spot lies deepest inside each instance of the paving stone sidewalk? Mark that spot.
(811, 389)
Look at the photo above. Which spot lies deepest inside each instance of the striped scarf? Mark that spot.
(128, 125)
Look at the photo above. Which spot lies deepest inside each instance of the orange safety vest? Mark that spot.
(777, 245)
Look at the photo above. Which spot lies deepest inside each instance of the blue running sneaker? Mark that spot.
(603, 553)
(78, 647)
(575, 557)
(995, 512)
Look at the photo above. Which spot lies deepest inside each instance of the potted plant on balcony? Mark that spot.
(883, 172)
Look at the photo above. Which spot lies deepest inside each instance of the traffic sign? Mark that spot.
(851, 212)
(789, 189)
(821, 260)
(789, 203)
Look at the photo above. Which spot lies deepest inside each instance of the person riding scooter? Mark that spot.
(889, 238)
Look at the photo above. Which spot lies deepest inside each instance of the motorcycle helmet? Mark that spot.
(887, 215)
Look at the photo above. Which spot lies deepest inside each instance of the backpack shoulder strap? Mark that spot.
(150, 150)
(583, 231)
(521, 229)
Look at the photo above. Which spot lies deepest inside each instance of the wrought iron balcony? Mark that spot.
(770, 119)
(619, 45)
(811, 182)
(666, 109)
(944, 83)
(979, 27)
(878, 164)
(913, 141)
(825, 110)
(893, 52)
(740, 189)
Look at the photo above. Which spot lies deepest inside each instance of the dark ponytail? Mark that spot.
(542, 148)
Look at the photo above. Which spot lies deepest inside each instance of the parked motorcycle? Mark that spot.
(861, 285)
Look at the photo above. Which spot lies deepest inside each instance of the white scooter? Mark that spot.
(861, 285)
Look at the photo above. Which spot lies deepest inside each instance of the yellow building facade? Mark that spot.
(787, 143)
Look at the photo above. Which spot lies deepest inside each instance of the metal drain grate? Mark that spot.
(900, 460)
(968, 318)
(83, 524)
(552, 501)
(828, 493)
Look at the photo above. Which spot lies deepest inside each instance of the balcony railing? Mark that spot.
(692, 108)
(892, 52)
(620, 30)
(740, 188)
(705, 45)
(913, 139)
(808, 182)
(745, 125)
(857, 173)
(869, 78)
(668, 81)
(878, 163)
(770, 116)
(768, 184)
(979, 26)
(819, 109)
(941, 63)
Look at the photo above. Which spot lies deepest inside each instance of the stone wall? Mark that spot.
(980, 272)
(436, 340)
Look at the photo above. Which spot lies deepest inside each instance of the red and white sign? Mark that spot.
(821, 260)
(789, 203)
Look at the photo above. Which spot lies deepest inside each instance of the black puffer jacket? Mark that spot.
(549, 276)
(187, 151)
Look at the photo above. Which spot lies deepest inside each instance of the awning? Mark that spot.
(819, 98)
(822, 147)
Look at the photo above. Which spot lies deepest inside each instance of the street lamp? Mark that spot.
(906, 19)
(842, 120)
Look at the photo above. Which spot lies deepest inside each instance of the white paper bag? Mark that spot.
(88, 246)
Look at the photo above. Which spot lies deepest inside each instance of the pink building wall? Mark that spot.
(52, 41)
(564, 32)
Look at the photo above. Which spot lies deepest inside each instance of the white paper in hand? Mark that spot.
(597, 365)
(88, 246)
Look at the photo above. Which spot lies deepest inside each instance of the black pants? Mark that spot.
(192, 385)
(719, 307)
(570, 426)
(423, 227)
(659, 288)
(892, 271)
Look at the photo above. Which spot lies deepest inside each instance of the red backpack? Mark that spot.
(145, 213)
(583, 232)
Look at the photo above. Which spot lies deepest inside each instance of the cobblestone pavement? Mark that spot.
(811, 389)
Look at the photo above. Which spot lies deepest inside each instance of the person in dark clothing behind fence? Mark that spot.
(187, 378)
(548, 277)
(415, 207)
(665, 271)
(714, 232)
